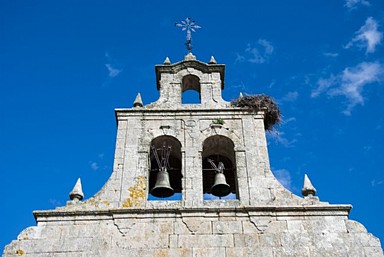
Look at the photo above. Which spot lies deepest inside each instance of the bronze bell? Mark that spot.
(220, 188)
(162, 186)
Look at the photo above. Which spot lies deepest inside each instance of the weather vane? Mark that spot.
(189, 26)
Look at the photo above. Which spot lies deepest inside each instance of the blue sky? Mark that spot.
(65, 66)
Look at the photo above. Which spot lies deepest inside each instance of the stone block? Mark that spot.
(373, 251)
(291, 251)
(295, 226)
(227, 227)
(246, 240)
(255, 251)
(173, 252)
(204, 252)
(276, 227)
(295, 240)
(205, 241)
(192, 226)
(355, 227)
(249, 227)
(173, 241)
(366, 240)
(269, 240)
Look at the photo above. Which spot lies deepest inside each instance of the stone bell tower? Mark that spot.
(193, 180)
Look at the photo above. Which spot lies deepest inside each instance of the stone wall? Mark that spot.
(228, 232)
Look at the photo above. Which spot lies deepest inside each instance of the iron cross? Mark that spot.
(190, 26)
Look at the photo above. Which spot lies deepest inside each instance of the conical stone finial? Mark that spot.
(189, 57)
(167, 61)
(212, 61)
(308, 189)
(138, 101)
(77, 192)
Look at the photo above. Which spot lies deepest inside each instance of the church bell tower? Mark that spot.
(193, 180)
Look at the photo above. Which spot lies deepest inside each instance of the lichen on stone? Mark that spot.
(20, 252)
(136, 193)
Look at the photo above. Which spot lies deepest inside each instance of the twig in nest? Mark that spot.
(261, 103)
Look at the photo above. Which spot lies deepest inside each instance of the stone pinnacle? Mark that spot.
(189, 57)
(138, 101)
(212, 61)
(77, 191)
(308, 189)
(167, 61)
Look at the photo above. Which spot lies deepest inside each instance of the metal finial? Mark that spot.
(189, 26)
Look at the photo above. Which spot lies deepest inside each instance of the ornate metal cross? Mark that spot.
(189, 26)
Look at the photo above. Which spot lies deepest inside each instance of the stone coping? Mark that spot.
(196, 64)
(119, 112)
(261, 211)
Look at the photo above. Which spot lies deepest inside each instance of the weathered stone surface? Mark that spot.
(141, 234)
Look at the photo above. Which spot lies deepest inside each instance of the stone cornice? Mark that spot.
(256, 211)
(203, 67)
(121, 112)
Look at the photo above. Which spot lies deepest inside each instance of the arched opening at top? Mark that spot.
(191, 90)
(165, 156)
(219, 157)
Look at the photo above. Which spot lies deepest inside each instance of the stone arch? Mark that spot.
(219, 148)
(190, 89)
(159, 144)
(220, 131)
(191, 71)
(190, 82)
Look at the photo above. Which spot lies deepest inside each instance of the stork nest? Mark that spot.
(261, 103)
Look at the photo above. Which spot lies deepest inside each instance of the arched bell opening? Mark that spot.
(165, 169)
(219, 168)
(191, 90)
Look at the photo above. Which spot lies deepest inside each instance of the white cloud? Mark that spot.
(257, 54)
(290, 96)
(284, 177)
(367, 36)
(54, 202)
(268, 48)
(113, 72)
(239, 58)
(290, 119)
(353, 3)
(329, 54)
(350, 83)
(374, 182)
(280, 138)
(114, 68)
(323, 85)
(94, 165)
(353, 81)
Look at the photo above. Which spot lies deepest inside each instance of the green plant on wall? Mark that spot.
(218, 121)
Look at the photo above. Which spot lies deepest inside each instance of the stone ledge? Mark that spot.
(198, 65)
(119, 112)
(256, 211)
